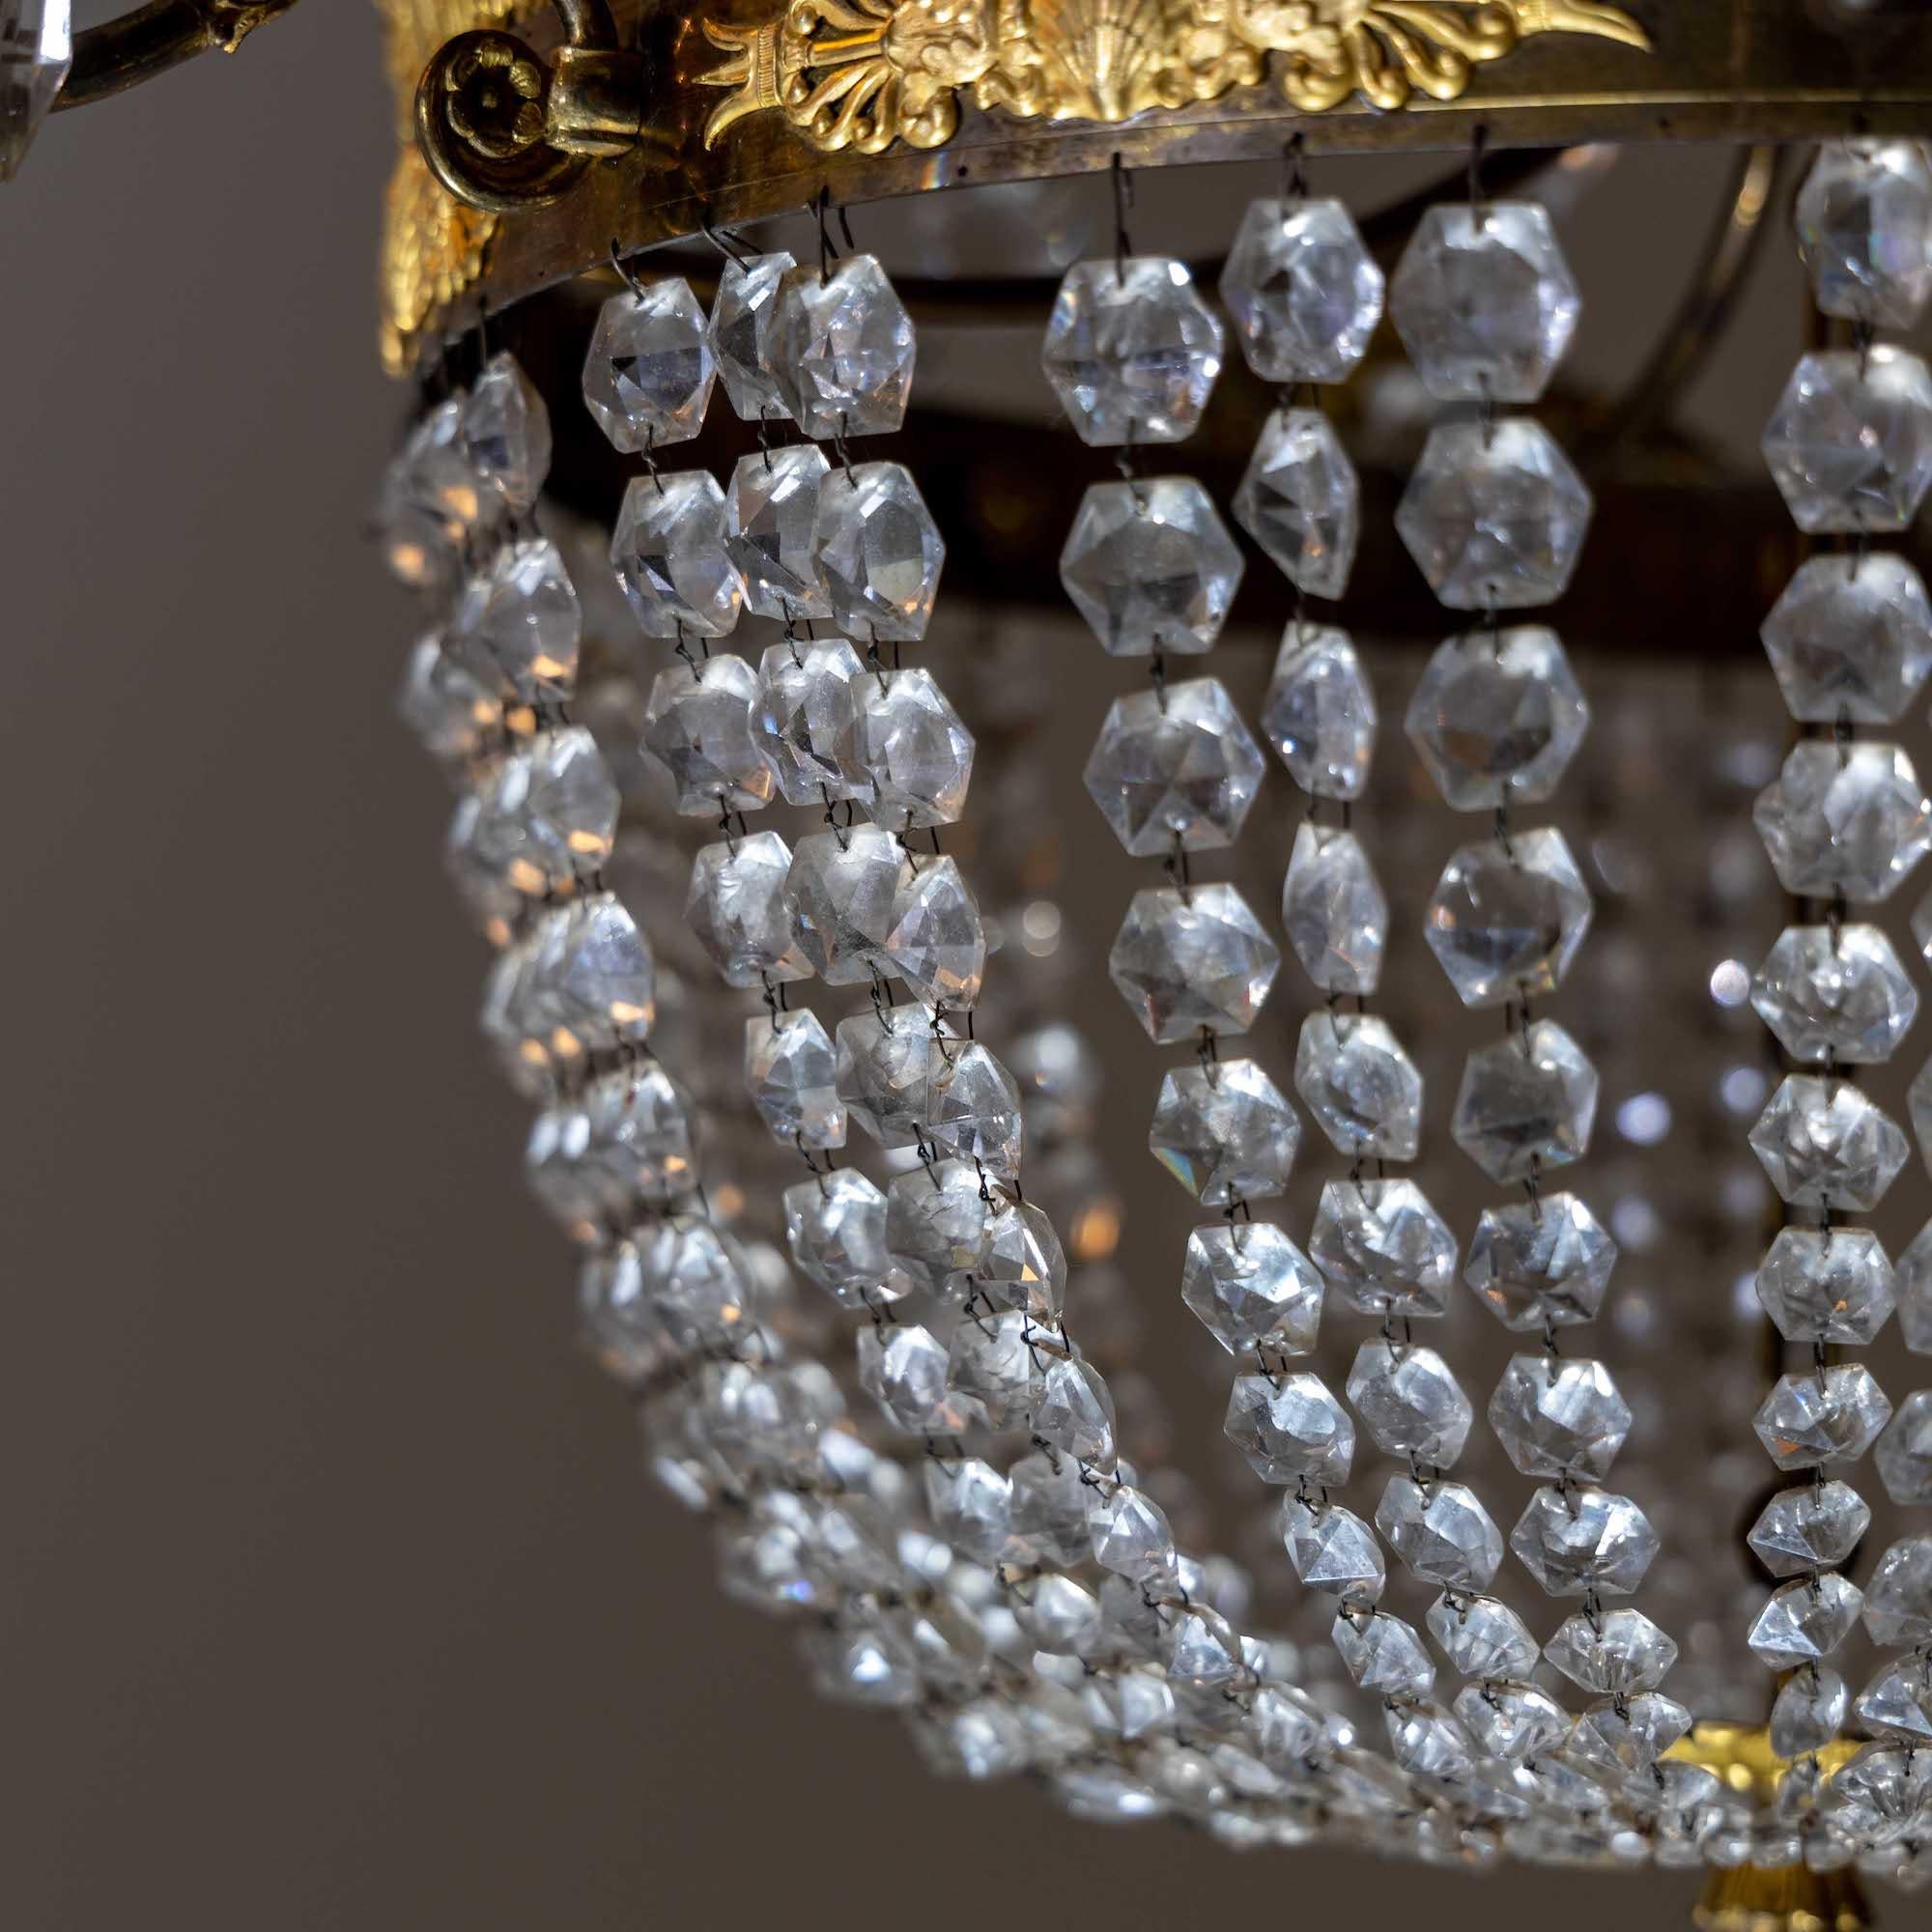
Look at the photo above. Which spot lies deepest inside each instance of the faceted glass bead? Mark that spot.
(836, 1229)
(1333, 1551)
(591, 980)
(1618, 1654)
(1510, 1723)
(1851, 638)
(1904, 1452)
(1300, 502)
(771, 513)
(620, 1327)
(1497, 717)
(804, 720)
(518, 624)
(1834, 994)
(1024, 1265)
(841, 892)
(1194, 959)
(740, 333)
(1441, 1533)
(1225, 1132)
(667, 547)
(1303, 289)
(1630, 1734)
(1290, 1429)
(1363, 1090)
(648, 372)
(1897, 1700)
(1496, 517)
(693, 1276)
(1132, 350)
(1383, 1248)
(1584, 1540)
(1918, 1099)
(433, 501)
(1913, 1277)
(1131, 1536)
(790, 1076)
(1175, 767)
(1804, 1620)
(877, 551)
(992, 1359)
(1848, 818)
(454, 714)
(1507, 917)
(550, 814)
(937, 1223)
(506, 433)
(976, 1110)
(1410, 1403)
(1075, 1412)
(886, 1068)
(937, 943)
(1319, 714)
(1823, 1142)
(902, 1367)
(1049, 1510)
(971, 1505)
(1383, 1655)
(1826, 1285)
(1484, 301)
(35, 58)
(1547, 1262)
(1151, 566)
(1850, 441)
(1482, 1637)
(1525, 1103)
(698, 726)
(1815, 1526)
(1558, 1418)
(1250, 1287)
(1333, 909)
(1864, 228)
(1818, 1418)
(843, 350)
(1898, 1598)
(915, 751)
(736, 908)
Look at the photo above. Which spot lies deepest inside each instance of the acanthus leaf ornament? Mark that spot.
(865, 73)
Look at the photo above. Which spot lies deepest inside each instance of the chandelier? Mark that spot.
(1014, 934)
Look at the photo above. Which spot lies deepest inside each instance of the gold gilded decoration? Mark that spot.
(865, 73)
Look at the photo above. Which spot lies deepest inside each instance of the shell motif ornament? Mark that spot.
(866, 74)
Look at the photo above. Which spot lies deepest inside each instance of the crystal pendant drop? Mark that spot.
(1333, 910)
(903, 1368)
(1548, 1262)
(1132, 350)
(1383, 1655)
(1844, 818)
(1865, 227)
(1613, 1653)
(1835, 993)
(918, 754)
(1559, 1418)
(1441, 1533)
(736, 908)
(1822, 1417)
(1382, 1247)
(1303, 289)
(771, 513)
(976, 1110)
(1851, 638)
(1300, 502)
(1494, 516)
(1175, 767)
(840, 891)
(667, 547)
(740, 334)
(1826, 1285)
(506, 433)
(35, 57)
(878, 552)
(698, 726)
(432, 503)
(1850, 441)
(1510, 1723)
(804, 720)
(446, 705)
(843, 350)
(887, 1064)
(1363, 1090)
(518, 625)
(1225, 1132)
(1290, 1429)
(1581, 1540)
(1804, 1620)
(1497, 717)
(1251, 1287)
(789, 1075)
(1815, 1526)
(836, 1229)
(648, 372)
(1482, 1637)
(1319, 714)
(1151, 566)
(1194, 959)
(1507, 917)
(1525, 1103)
(1410, 1403)
(548, 818)
(1824, 1142)
(937, 943)
(937, 1222)
(1333, 1551)
(1023, 1267)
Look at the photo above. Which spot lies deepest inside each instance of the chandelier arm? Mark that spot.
(124, 52)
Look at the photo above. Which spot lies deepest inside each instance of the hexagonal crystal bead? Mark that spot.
(937, 943)
(1825, 1144)
(1482, 1636)
(1441, 1532)
(841, 892)
(878, 552)
(1319, 714)
(1918, 1098)
(668, 549)
(937, 1223)
(1290, 1429)
(1913, 1279)
(918, 754)
(1493, 517)
(1507, 917)
(1525, 1103)
(1225, 1132)
(1132, 350)
(590, 979)
(1334, 910)
(648, 372)
(1497, 717)
(1303, 289)
(433, 501)
(1333, 1551)
(1850, 441)
(698, 726)
(1851, 638)
(1075, 1411)
(518, 624)
(1844, 818)
(507, 432)
(902, 1367)
(992, 1359)
(1410, 1401)
(1835, 993)
(1897, 1700)
(1382, 1654)
(1151, 566)
(1815, 1526)
(1821, 1417)
(976, 1110)
(1131, 1536)
(1546, 1264)
(1175, 765)
(790, 1076)
(550, 811)
(1300, 502)
(804, 720)
(740, 333)
(841, 350)
(770, 512)
(1383, 1248)
(1363, 1090)
(1826, 1284)
(1904, 1452)
(1898, 1598)
(1251, 1287)
(1512, 1722)
(1864, 228)
(1616, 1653)
(1575, 1541)
(971, 1504)
(1024, 1265)
(1804, 1620)
(1558, 1418)
(736, 908)
(446, 706)
(1189, 959)
(886, 1065)
(1484, 301)
(836, 1228)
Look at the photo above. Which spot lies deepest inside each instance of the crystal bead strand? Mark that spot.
(1850, 642)
(1494, 516)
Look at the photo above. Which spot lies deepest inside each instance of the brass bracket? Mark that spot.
(504, 129)
(120, 54)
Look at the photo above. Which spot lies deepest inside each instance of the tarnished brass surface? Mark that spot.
(121, 53)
